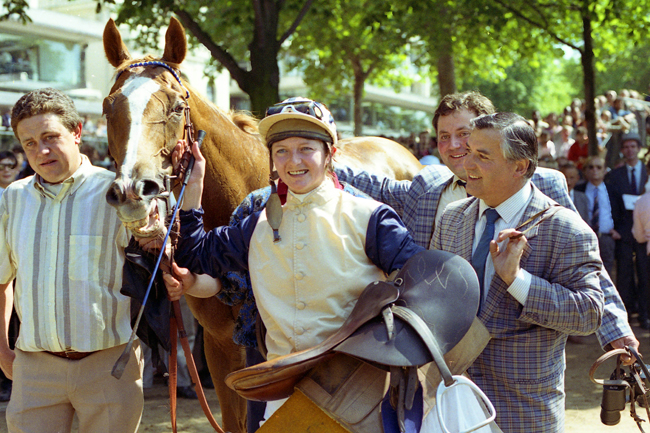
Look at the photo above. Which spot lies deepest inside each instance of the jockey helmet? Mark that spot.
(298, 117)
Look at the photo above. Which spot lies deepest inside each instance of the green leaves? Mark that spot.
(15, 9)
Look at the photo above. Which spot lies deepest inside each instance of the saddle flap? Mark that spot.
(443, 290)
(264, 382)
(440, 287)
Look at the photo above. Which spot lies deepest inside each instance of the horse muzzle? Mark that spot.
(140, 205)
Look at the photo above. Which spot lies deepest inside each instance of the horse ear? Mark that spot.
(116, 51)
(175, 43)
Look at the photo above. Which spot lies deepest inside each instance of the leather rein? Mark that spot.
(176, 328)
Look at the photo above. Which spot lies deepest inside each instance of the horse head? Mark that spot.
(146, 112)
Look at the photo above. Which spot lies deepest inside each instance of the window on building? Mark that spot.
(27, 63)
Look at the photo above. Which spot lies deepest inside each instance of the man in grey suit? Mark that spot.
(536, 289)
(420, 202)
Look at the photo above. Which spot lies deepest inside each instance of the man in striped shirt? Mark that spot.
(64, 246)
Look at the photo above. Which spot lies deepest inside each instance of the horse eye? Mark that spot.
(179, 108)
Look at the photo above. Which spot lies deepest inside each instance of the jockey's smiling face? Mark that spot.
(301, 163)
(51, 149)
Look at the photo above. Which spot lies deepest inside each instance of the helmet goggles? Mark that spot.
(311, 108)
(300, 117)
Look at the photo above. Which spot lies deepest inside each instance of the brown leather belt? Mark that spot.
(73, 356)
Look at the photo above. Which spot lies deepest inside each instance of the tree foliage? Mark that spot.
(245, 37)
(345, 44)
(15, 9)
(527, 88)
(593, 28)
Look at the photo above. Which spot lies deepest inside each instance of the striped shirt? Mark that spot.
(66, 251)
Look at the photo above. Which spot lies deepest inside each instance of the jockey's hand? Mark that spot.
(180, 282)
(628, 340)
(7, 357)
(194, 189)
(185, 282)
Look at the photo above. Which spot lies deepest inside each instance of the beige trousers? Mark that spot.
(48, 391)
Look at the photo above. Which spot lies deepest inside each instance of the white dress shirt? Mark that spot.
(510, 213)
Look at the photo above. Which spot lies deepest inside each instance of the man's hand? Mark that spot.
(506, 263)
(629, 340)
(7, 357)
(615, 235)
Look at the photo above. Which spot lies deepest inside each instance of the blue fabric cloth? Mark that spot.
(429, 160)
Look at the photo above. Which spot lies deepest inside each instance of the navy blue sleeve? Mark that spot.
(388, 242)
(220, 250)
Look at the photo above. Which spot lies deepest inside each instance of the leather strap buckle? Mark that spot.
(73, 356)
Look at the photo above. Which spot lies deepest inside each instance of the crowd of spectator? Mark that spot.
(562, 137)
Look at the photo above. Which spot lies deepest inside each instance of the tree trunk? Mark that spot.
(589, 80)
(445, 52)
(446, 66)
(358, 109)
(359, 81)
(263, 81)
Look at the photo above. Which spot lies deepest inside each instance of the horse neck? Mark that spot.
(238, 162)
(235, 146)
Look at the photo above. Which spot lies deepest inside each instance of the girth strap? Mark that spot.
(425, 334)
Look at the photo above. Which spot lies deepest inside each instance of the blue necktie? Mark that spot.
(595, 213)
(483, 248)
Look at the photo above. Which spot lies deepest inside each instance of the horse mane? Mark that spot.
(242, 119)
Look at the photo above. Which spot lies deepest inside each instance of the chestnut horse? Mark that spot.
(145, 116)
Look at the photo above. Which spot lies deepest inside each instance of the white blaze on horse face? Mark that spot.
(138, 91)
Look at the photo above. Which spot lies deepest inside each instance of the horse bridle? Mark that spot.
(176, 325)
(188, 133)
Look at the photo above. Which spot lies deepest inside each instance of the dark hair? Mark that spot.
(44, 101)
(7, 154)
(569, 166)
(472, 101)
(17, 148)
(519, 140)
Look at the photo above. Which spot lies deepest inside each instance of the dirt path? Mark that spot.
(582, 413)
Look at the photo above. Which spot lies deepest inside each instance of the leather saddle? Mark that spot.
(414, 318)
